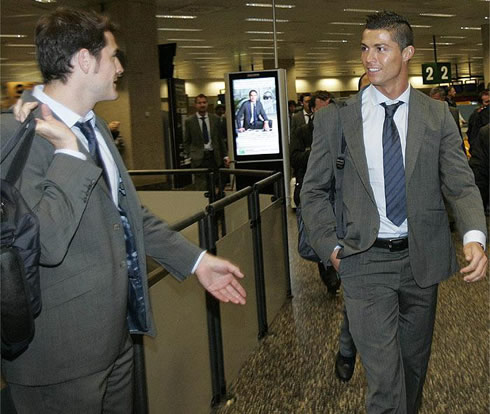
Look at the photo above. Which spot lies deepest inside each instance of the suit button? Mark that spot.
(116, 227)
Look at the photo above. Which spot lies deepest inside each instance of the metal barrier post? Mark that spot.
(280, 193)
(255, 225)
(207, 238)
(140, 391)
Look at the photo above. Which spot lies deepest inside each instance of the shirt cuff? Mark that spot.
(76, 154)
(474, 236)
(198, 261)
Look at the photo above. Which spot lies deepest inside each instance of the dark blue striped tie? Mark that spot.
(394, 171)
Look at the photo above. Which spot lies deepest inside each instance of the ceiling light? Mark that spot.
(340, 34)
(261, 32)
(470, 50)
(477, 57)
(45, 1)
(421, 26)
(348, 23)
(436, 15)
(470, 28)
(19, 45)
(23, 64)
(442, 43)
(16, 36)
(261, 47)
(361, 10)
(186, 40)
(325, 47)
(333, 41)
(258, 19)
(202, 53)
(278, 6)
(176, 29)
(262, 53)
(265, 40)
(169, 16)
(196, 47)
(452, 37)
(425, 48)
(316, 53)
(207, 58)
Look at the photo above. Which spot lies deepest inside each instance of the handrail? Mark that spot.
(185, 171)
(267, 181)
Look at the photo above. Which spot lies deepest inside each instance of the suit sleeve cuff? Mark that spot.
(76, 154)
(474, 236)
(196, 265)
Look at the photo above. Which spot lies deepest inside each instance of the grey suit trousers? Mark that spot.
(109, 391)
(391, 321)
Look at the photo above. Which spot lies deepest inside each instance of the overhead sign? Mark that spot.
(436, 73)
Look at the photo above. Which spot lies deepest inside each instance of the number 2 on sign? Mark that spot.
(429, 72)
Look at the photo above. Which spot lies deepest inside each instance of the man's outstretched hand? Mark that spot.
(219, 277)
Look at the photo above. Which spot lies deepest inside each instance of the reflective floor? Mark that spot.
(293, 369)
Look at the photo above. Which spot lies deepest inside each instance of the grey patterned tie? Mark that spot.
(394, 171)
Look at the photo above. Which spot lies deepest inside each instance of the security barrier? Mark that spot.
(201, 344)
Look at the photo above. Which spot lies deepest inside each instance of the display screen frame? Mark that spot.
(237, 97)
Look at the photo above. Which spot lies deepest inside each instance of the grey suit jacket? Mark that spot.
(84, 281)
(194, 142)
(435, 167)
(297, 120)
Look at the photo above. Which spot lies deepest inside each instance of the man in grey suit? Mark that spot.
(203, 140)
(302, 117)
(403, 157)
(94, 233)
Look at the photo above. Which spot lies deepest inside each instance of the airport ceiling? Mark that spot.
(225, 35)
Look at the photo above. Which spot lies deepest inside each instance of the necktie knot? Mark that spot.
(391, 109)
(87, 130)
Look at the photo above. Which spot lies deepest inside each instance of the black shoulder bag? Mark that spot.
(19, 250)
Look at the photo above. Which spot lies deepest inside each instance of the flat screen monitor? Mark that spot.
(255, 115)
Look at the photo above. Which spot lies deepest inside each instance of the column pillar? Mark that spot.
(138, 106)
(287, 64)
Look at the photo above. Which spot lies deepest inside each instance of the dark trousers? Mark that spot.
(208, 161)
(391, 320)
(109, 391)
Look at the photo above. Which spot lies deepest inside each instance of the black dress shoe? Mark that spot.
(344, 367)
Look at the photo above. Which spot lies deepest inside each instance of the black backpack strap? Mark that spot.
(339, 196)
(22, 138)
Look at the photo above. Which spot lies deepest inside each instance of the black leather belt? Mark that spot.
(394, 245)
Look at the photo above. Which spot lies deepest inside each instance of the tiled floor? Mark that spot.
(293, 369)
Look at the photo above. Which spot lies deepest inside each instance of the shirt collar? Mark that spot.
(69, 117)
(375, 97)
(199, 116)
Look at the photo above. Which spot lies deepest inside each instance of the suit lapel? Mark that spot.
(351, 118)
(416, 131)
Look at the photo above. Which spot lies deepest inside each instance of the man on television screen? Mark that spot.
(252, 114)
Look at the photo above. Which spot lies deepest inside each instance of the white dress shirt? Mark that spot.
(373, 115)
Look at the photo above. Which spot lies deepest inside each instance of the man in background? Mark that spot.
(203, 140)
(301, 117)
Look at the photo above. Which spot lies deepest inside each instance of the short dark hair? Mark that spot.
(399, 28)
(438, 90)
(252, 90)
(303, 95)
(322, 95)
(63, 33)
(201, 95)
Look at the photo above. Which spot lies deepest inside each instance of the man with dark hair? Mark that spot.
(302, 117)
(479, 163)
(203, 140)
(251, 114)
(389, 238)
(95, 234)
(451, 94)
